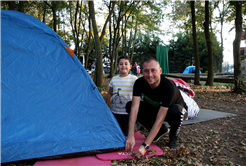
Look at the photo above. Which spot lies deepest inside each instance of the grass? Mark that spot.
(218, 84)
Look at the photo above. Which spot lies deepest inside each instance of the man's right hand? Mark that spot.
(130, 142)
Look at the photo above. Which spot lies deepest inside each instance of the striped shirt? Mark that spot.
(122, 92)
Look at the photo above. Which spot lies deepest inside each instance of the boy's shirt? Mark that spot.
(122, 92)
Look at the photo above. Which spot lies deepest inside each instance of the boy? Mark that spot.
(120, 92)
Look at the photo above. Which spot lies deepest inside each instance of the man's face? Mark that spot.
(152, 73)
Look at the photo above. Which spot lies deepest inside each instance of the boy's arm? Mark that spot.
(109, 97)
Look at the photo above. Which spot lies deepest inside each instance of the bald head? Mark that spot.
(150, 60)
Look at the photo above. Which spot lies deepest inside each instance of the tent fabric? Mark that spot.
(50, 107)
(190, 69)
(162, 57)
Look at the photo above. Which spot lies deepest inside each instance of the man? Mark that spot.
(155, 99)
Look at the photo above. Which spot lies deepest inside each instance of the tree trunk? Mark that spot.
(21, 6)
(112, 55)
(239, 85)
(129, 44)
(221, 34)
(135, 35)
(210, 78)
(113, 64)
(196, 56)
(89, 44)
(76, 34)
(54, 21)
(11, 5)
(44, 13)
(123, 39)
(107, 20)
(53, 8)
(99, 67)
(116, 57)
(116, 52)
(110, 45)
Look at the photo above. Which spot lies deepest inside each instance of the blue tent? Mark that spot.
(50, 107)
(189, 69)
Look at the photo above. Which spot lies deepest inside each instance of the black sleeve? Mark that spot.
(137, 88)
(168, 98)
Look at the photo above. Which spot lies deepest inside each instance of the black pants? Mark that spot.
(147, 116)
(123, 121)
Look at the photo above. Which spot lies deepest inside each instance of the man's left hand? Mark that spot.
(139, 152)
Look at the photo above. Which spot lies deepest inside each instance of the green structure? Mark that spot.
(162, 57)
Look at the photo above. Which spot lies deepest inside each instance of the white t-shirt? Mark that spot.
(122, 92)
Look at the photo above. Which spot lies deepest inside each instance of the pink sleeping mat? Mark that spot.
(122, 155)
(103, 159)
(78, 161)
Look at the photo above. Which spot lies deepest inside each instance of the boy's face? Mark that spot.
(124, 66)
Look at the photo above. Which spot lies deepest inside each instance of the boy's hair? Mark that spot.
(124, 57)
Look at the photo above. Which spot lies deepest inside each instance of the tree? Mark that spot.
(123, 9)
(11, 5)
(78, 17)
(99, 68)
(239, 85)
(189, 23)
(98, 77)
(181, 51)
(20, 6)
(222, 13)
(53, 6)
(146, 44)
(196, 56)
(210, 78)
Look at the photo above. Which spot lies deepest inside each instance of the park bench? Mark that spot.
(224, 78)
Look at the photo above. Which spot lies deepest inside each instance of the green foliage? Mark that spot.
(4, 5)
(181, 52)
(243, 57)
(181, 15)
(145, 46)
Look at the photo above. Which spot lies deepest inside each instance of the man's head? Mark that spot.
(124, 65)
(152, 72)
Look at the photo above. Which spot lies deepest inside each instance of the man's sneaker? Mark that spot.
(163, 131)
(173, 144)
